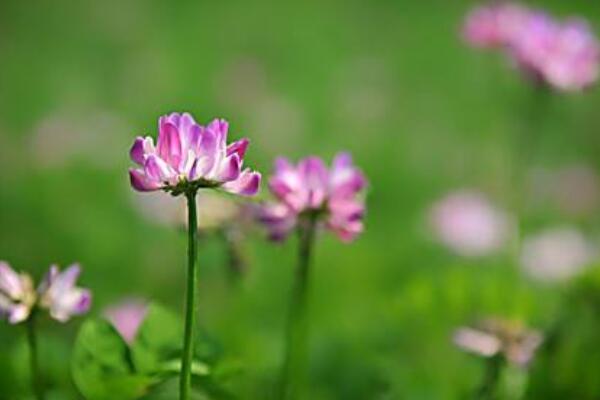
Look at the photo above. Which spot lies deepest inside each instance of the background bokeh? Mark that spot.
(391, 82)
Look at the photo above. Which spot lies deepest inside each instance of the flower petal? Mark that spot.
(137, 151)
(141, 182)
(169, 144)
(10, 281)
(229, 169)
(238, 147)
(158, 170)
(247, 184)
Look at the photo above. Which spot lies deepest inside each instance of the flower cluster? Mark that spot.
(188, 156)
(310, 189)
(494, 336)
(564, 55)
(57, 293)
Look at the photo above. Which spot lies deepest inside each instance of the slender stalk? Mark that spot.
(297, 323)
(36, 382)
(190, 300)
(491, 376)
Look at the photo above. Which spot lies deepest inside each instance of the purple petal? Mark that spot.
(158, 170)
(230, 169)
(194, 137)
(137, 151)
(84, 303)
(219, 127)
(314, 175)
(169, 144)
(278, 218)
(238, 147)
(140, 182)
(247, 184)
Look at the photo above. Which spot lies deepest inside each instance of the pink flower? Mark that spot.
(494, 26)
(188, 155)
(127, 317)
(563, 55)
(17, 295)
(60, 296)
(469, 224)
(311, 189)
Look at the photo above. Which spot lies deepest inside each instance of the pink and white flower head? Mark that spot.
(17, 295)
(466, 222)
(310, 189)
(493, 26)
(60, 296)
(127, 317)
(556, 254)
(188, 156)
(495, 336)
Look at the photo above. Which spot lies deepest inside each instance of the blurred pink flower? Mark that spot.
(493, 26)
(127, 317)
(189, 154)
(466, 222)
(310, 188)
(563, 55)
(17, 295)
(60, 296)
(494, 336)
(556, 254)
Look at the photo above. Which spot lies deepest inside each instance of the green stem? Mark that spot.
(297, 323)
(36, 382)
(190, 300)
(487, 389)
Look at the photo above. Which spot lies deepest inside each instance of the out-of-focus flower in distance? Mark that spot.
(492, 26)
(495, 336)
(60, 296)
(311, 190)
(466, 222)
(17, 295)
(556, 254)
(57, 293)
(190, 156)
(127, 317)
(574, 189)
(564, 55)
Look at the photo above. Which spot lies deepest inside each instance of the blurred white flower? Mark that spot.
(556, 254)
(467, 223)
(494, 336)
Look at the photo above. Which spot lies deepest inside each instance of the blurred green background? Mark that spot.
(389, 81)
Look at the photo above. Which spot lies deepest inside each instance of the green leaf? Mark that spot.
(158, 340)
(102, 367)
